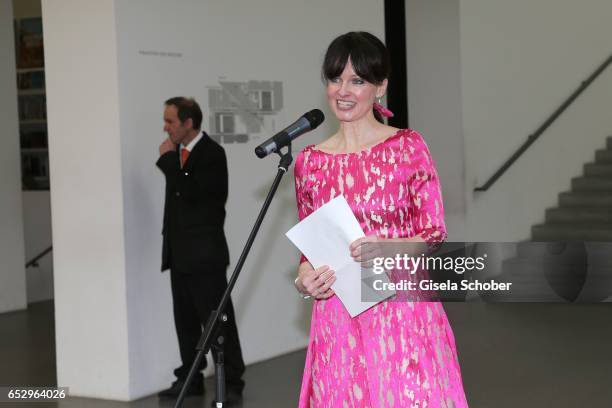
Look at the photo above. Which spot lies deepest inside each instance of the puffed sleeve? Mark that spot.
(303, 200)
(426, 195)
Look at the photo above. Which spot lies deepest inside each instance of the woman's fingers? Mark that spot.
(356, 244)
(367, 252)
(365, 248)
(322, 278)
(329, 293)
(319, 281)
(327, 284)
(322, 270)
(313, 274)
(325, 291)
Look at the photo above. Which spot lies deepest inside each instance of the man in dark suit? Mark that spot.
(194, 245)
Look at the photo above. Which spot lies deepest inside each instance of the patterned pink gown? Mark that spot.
(396, 354)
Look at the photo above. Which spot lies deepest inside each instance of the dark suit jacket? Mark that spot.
(194, 210)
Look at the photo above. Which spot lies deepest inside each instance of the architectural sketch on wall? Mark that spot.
(240, 109)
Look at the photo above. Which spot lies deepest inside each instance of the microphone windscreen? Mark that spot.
(315, 117)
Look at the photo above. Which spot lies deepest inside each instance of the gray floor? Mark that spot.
(512, 355)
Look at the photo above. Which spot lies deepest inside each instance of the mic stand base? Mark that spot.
(219, 401)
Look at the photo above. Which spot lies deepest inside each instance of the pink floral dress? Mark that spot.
(398, 353)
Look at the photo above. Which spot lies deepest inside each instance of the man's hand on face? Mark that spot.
(166, 146)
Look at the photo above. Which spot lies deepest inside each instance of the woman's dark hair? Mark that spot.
(367, 53)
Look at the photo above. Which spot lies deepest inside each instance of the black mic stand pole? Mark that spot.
(217, 316)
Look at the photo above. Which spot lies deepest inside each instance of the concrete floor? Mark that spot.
(512, 355)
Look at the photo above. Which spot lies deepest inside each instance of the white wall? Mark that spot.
(86, 198)
(434, 97)
(12, 273)
(519, 61)
(105, 102)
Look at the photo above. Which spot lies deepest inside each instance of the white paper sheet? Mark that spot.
(324, 238)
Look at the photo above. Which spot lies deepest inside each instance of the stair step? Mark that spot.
(544, 250)
(579, 215)
(529, 283)
(586, 199)
(572, 232)
(603, 156)
(598, 170)
(592, 184)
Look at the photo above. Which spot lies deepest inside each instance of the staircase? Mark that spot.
(584, 213)
(566, 259)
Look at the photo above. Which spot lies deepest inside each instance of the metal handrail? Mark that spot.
(533, 137)
(34, 260)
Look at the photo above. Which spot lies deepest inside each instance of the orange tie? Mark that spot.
(184, 156)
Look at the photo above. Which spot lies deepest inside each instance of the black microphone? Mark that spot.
(307, 122)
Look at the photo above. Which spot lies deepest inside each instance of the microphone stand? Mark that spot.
(217, 316)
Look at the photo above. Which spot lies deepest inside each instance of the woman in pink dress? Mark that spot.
(397, 353)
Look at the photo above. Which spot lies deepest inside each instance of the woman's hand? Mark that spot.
(365, 249)
(315, 282)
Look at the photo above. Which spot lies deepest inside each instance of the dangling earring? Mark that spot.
(386, 113)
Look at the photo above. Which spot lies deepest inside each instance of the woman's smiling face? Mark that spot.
(350, 97)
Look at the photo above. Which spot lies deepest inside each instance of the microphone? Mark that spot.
(307, 122)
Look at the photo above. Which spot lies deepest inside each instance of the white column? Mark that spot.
(12, 271)
(86, 198)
